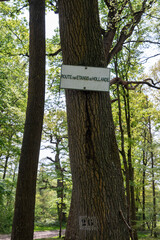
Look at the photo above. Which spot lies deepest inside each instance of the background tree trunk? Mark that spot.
(130, 165)
(98, 193)
(143, 183)
(122, 151)
(23, 223)
(61, 206)
(5, 166)
(154, 220)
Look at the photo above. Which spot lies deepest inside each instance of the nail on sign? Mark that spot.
(85, 78)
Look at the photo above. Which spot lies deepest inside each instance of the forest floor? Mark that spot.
(37, 235)
(51, 234)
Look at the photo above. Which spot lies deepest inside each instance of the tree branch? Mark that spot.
(27, 55)
(128, 29)
(150, 57)
(49, 158)
(126, 84)
(142, 41)
(47, 183)
(14, 33)
(54, 54)
(18, 10)
(114, 100)
(107, 3)
(17, 54)
(113, 17)
(128, 226)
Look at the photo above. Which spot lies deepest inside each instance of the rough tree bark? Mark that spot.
(23, 223)
(98, 199)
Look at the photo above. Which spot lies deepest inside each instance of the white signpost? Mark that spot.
(85, 78)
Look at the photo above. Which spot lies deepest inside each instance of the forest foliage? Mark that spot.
(136, 116)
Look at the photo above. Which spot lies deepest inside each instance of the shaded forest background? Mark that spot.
(135, 110)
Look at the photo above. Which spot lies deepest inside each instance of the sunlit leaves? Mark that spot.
(13, 86)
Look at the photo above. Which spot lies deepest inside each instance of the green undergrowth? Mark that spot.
(141, 236)
(48, 227)
(147, 236)
(56, 238)
(44, 228)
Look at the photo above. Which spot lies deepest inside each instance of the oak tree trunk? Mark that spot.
(98, 209)
(23, 223)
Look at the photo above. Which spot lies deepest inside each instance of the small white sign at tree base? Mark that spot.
(85, 78)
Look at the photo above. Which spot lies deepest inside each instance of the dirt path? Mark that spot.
(37, 235)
